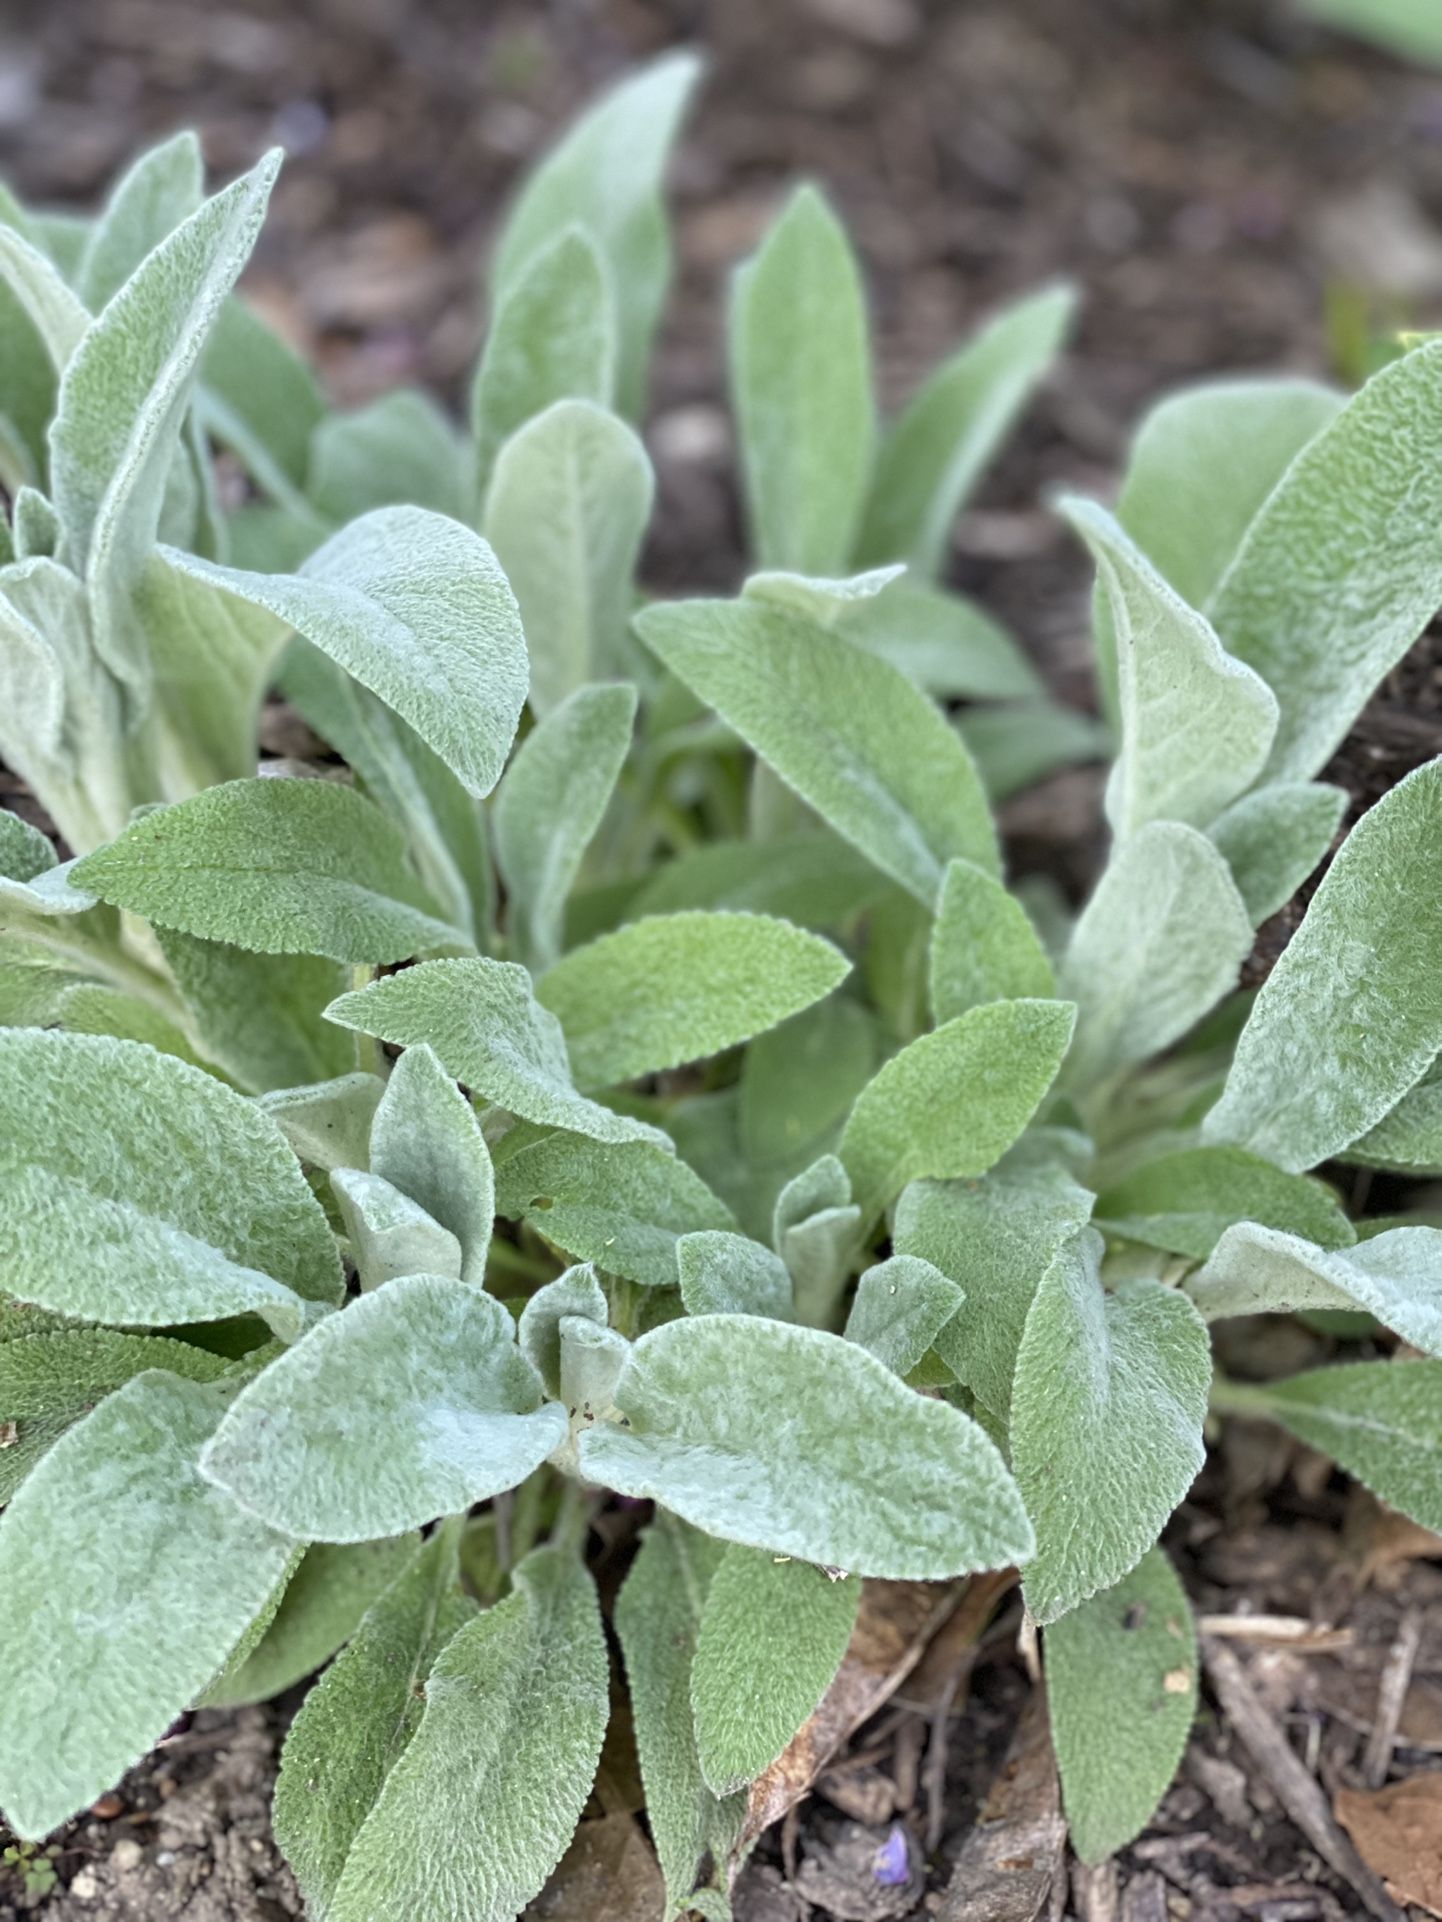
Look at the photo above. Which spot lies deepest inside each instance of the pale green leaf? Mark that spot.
(488, 1030)
(357, 1720)
(844, 728)
(675, 988)
(416, 608)
(89, 1007)
(983, 948)
(328, 1123)
(42, 297)
(51, 1380)
(144, 1191)
(773, 1633)
(1196, 725)
(814, 880)
(147, 204)
(1015, 744)
(276, 866)
(605, 177)
(477, 1811)
(1351, 1016)
(550, 803)
(816, 1230)
(826, 600)
(566, 511)
(1273, 838)
(1106, 1423)
(552, 337)
(953, 1102)
(123, 397)
(1158, 944)
(801, 388)
(259, 1015)
(25, 853)
(426, 1140)
(950, 646)
(400, 449)
(1380, 1420)
(658, 1616)
(1340, 572)
(576, 1294)
(901, 1307)
(726, 1274)
(1409, 1136)
(1121, 1690)
(623, 1205)
(1396, 1276)
(415, 1402)
(931, 458)
(389, 1234)
(160, 1578)
(762, 1433)
(1185, 1200)
(34, 526)
(799, 1081)
(321, 1609)
(996, 1239)
(260, 399)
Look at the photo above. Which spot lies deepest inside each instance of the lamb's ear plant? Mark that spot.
(669, 1100)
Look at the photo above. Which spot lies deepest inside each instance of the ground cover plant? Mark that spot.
(634, 1076)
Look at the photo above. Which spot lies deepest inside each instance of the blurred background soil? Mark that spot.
(1233, 190)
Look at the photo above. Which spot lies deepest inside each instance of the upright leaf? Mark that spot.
(901, 1307)
(1351, 1016)
(983, 948)
(427, 1141)
(761, 1432)
(566, 511)
(139, 1523)
(328, 1123)
(1274, 837)
(146, 206)
(40, 300)
(773, 1634)
(549, 805)
(489, 1031)
(799, 1080)
(575, 1294)
(259, 1015)
(143, 1191)
(334, 880)
(677, 987)
(399, 449)
(1339, 572)
(726, 1274)
(1159, 943)
(953, 1101)
(606, 177)
(478, 1809)
(415, 1402)
(931, 458)
(1121, 1689)
(801, 385)
(416, 608)
(845, 729)
(260, 399)
(1409, 1135)
(390, 1235)
(1106, 1423)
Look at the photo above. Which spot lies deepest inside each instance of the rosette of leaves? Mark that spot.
(674, 1100)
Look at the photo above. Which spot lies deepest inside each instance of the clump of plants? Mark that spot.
(629, 1072)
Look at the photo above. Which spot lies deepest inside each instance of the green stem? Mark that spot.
(573, 1517)
(1230, 1397)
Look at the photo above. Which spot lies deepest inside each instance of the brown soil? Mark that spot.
(1216, 176)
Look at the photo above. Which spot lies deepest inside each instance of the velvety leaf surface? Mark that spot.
(258, 1016)
(1396, 1276)
(328, 1123)
(1272, 840)
(1106, 1423)
(761, 1433)
(950, 646)
(144, 1191)
(801, 388)
(658, 1617)
(983, 948)
(1121, 1687)
(1184, 1201)
(1158, 944)
(260, 399)
(390, 1235)
(278, 866)
(357, 1720)
(161, 1576)
(147, 203)
(1409, 1136)
(487, 1029)
(577, 1292)
(1351, 1016)
(398, 450)
(900, 1308)
(566, 510)
(476, 1812)
(931, 458)
(799, 1080)
(725, 1274)
(623, 1205)
(416, 608)
(414, 1403)
(674, 988)
(908, 1122)
(847, 730)
(549, 805)
(426, 1140)
(813, 880)
(773, 1632)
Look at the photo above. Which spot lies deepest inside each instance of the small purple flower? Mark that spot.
(892, 1866)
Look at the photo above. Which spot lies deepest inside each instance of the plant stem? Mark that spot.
(1230, 1397)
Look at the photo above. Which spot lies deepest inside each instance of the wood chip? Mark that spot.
(1398, 1831)
(1144, 1899)
(1290, 1631)
(1295, 1789)
(1011, 1859)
